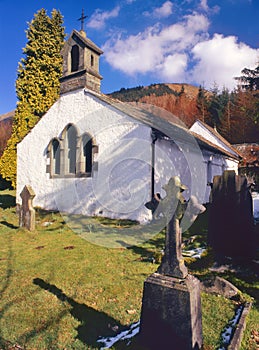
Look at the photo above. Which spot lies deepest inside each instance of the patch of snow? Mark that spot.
(194, 253)
(229, 329)
(126, 334)
(47, 223)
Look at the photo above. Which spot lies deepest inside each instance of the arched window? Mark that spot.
(70, 136)
(70, 155)
(74, 58)
(55, 157)
(87, 148)
(53, 153)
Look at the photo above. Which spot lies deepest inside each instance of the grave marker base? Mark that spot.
(171, 313)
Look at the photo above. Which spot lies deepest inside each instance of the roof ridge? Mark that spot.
(218, 135)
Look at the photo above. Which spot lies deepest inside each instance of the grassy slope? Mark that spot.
(58, 291)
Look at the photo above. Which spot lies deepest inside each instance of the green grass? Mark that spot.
(60, 291)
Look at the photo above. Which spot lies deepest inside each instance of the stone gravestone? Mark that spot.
(231, 228)
(171, 305)
(26, 212)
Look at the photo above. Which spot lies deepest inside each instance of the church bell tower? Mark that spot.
(80, 62)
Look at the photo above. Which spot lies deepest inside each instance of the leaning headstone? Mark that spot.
(26, 212)
(171, 305)
(231, 228)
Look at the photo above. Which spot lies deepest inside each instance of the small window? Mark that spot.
(87, 145)
(92, 60)
(71, 141)
(74, 58)
(53, 153)
(55, 157)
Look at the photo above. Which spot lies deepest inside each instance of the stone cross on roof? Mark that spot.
(82, 19)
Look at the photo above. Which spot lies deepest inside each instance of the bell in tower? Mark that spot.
(80, 62)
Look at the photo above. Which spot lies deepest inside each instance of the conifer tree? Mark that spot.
(37, 84)
(216, 105)
(202, 104)
(249, 79)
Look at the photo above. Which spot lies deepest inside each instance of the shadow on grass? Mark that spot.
(152, 248)
(7, 201)
(7, 224)
(93, 323)
(9, 271)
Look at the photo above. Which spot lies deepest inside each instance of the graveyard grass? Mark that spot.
(58, 291)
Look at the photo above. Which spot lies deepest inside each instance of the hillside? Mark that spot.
(5, 129)
(179, 99)
(6, 116)
(235, 114)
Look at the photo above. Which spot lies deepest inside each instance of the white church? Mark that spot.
(96, 156)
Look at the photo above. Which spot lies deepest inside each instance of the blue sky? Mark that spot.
(201, 42)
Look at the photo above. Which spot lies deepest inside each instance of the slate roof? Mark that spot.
(87, 42)
(221, 138)
(160, 119)
(211, 146)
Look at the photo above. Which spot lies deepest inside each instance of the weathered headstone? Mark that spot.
(26, 212)
(231, 229)
(171, 305)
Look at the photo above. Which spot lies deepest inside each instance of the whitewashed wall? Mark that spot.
(184, 160)
(195, 166)
(120, 186)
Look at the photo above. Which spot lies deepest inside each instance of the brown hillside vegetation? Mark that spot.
(5, 129)
(182, 104)
(234, 114)
(178, 99)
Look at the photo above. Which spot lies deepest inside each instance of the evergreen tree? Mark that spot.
(248, 93)
(37, 84)
(202, 104)
(226, 101)
(250, 79)
(217, 105)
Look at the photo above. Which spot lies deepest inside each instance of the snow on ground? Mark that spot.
(133, 330)
(126, 334)
(194, 253)
(227, 334)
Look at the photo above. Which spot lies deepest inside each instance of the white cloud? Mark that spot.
(161, 51)
(173, 67)
(204, 5)
(164, 11)
(98, 19)
(181, 52)
(161, 12)
(220, 59)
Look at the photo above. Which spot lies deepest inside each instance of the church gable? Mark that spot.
(73, 146)
(213, 137)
